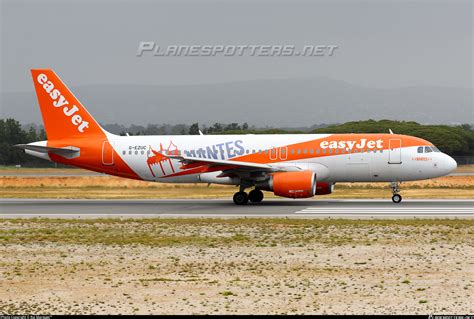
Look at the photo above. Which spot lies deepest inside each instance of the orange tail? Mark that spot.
(63, 115)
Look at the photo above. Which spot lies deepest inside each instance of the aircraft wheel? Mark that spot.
(256, 196)
(396, 198)
(241, 198)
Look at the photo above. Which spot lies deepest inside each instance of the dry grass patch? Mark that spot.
(103, 187)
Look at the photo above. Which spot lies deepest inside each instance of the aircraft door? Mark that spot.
(107, 154)
(395, 151)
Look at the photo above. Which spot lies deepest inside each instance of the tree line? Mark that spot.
(12, 133)
(453, 140)
(177, 129)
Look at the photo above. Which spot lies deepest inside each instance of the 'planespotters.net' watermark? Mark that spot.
(153, 49)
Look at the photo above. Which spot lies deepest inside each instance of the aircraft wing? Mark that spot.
(232, 164)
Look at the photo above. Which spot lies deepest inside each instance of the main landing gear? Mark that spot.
(241, 197)
(396, 198)
(256, 196)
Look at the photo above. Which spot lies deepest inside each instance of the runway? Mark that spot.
(224, 208)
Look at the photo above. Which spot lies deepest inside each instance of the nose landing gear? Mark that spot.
(396, 198)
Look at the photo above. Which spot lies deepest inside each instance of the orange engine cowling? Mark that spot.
(293, 184)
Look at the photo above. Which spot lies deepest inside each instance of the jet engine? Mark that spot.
(323, 188)
(291, 184)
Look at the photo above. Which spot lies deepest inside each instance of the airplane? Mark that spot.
(289, 165)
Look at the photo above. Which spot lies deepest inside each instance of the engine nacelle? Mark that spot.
(291, 184)
(323, 188)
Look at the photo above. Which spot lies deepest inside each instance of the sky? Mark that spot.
(381, 44)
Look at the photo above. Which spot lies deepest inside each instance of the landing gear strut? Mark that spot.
(256, 196)
(396, 198)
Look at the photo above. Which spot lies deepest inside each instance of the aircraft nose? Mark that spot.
(450, 164)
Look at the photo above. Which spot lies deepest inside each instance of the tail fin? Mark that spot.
(63, 115)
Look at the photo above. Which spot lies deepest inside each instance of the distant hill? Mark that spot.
(276, 103)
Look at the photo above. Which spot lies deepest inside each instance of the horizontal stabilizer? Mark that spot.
(67, 151)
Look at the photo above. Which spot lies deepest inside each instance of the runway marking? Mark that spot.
(400, 210)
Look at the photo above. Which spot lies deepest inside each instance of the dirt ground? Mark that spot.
(251, 266)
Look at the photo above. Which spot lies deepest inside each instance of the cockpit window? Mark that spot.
(428, 149)
(420, 149)
(435, 149)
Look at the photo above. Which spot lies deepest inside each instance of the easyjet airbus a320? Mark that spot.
(289, 165)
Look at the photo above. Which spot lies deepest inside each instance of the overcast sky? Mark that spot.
(424, 45)
(381, 44)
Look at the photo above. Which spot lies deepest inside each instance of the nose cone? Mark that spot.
(449, 164)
